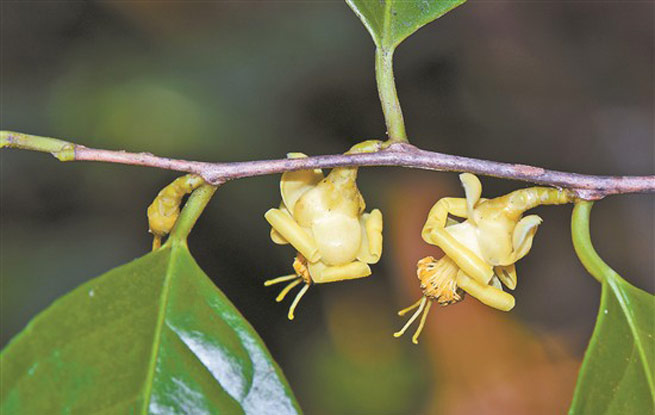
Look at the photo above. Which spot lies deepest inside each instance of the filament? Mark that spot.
(296, 300)
(410, 308)
(279, 279)
(421, 324)
(412, 318)
(286, 290)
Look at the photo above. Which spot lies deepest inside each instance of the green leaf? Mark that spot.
(154, 336)
(391, 21)
(618, 370)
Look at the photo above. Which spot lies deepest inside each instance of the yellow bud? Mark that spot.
(165, 209)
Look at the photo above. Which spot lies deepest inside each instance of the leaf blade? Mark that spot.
(617, 372)
(389, 22)
(92, 351)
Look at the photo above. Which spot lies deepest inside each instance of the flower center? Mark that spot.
(438, 280)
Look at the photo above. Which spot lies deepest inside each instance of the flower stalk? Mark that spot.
(393, 114)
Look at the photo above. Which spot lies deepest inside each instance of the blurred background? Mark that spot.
(562, 85)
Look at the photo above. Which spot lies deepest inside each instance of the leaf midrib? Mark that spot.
(386, 25)
(159, 328)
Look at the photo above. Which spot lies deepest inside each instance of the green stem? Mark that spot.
(590, 259)
(393, 114)
(191, 211)
(62, 150)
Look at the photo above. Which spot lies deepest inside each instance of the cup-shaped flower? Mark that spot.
(323, 218)
(481, 251)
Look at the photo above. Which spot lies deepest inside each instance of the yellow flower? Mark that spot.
(323, 219)
(480, 252)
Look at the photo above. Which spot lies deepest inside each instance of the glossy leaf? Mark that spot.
(391, 21)
(618, 371)
(154, 336)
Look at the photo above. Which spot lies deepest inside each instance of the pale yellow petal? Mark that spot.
(487, 294)
(473, 190)
(524, 234)
(463, 256)
(295, 183)
(460, 243)
(466, 234)
(495, 240)
(438, 216)
(277, 238)
(275, 235)
(507, 274)
(370, 249)
(292, 232)
(322, 273)
(338, 238)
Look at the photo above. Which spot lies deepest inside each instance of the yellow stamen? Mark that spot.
(421, 324)
(412, 318)
(438, 279)
(410, 308)
(280, 279)
(296, 300)
(300, 266)
(286, 290)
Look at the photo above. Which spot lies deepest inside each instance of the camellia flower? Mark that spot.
(481, 251)
(323, 219)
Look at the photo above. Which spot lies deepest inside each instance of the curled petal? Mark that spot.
(295, 183)
(292, 232)
(460, 244)
(322, 273)
(524, 234)
(507, 275)
(487, 294)
(473, 190)
(275, 235)
(277, 238)
(438, 216)
(370, 248)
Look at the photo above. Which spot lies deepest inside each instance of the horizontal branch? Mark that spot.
(586, 187)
